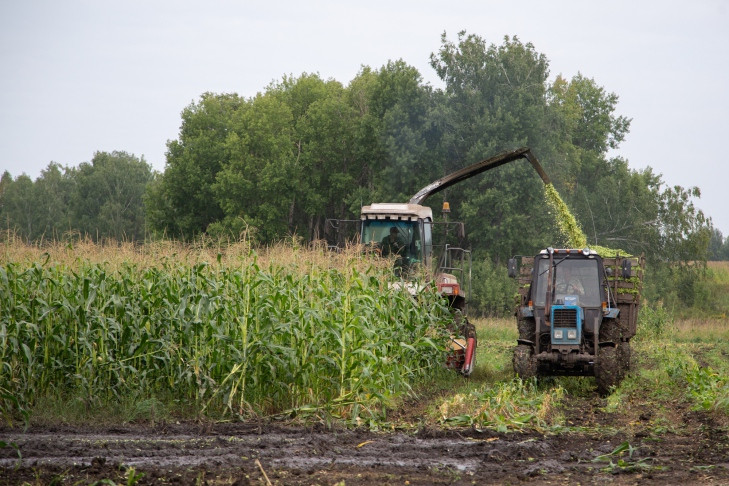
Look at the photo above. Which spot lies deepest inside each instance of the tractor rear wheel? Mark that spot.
(524, 361)
(526, 329)
(624, 357)
(607, 369)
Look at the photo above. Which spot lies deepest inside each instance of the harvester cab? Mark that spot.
(407, 233)
(399, 230)
(425, 251)
(576, 314)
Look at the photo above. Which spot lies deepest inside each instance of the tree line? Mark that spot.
(306, 149)
(101, 199)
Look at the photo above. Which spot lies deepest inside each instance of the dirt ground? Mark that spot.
(696, 451)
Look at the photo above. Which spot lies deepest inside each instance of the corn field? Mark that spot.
(243, 338)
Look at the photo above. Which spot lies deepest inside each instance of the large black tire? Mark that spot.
(526, 329)
(607, 369)
(624, 358)
(524, 362)
(609, 332)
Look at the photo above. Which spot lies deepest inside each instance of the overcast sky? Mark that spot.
(80, 76)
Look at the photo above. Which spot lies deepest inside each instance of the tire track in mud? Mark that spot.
(695, 448)
(295, 455)
(431, 454)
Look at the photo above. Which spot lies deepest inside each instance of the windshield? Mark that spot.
(575, 281)
(394, 238)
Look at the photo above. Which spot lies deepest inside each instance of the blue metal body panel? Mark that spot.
(565, 340)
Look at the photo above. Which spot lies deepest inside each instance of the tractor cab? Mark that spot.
(570, 295)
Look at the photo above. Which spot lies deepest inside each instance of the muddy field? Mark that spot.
(267, 453)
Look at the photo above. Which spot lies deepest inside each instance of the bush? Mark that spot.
(654, 320)
(492, 290)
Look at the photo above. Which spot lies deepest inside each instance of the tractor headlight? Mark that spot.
(558, 334)
(572, 334)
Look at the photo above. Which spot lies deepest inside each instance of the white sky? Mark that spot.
(80, 76)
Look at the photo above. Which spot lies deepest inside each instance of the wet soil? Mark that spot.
(694, 450)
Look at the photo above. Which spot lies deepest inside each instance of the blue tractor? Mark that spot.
(576, 314)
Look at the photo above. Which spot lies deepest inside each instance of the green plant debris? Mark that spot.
(618, 464)
(570, 228)
(566, 222)
(606, 252)
(509, 405)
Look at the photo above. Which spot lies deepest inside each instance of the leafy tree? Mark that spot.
(407, 141)
(37, 210)
(587, 114)
(254, 185)
(718, 246)
(301, 152)
(495, 99)
(53, 190)
(684, 229)
(324, 167)
(18, 205)
(182, 202)
(107, 201)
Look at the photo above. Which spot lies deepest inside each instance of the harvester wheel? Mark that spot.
(607, 369)
(524, 361)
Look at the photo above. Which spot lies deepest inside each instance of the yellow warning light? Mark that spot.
(446, 207)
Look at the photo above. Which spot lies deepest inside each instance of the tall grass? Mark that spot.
(236, 333)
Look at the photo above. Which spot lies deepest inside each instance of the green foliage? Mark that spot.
(510, 405)
(586, 114)
(101, 199)
(246, 339)
(182, 203)
(305, 149)
(653, 321)
(617, 463)
(107, 197)
(718, 246)
(684, 289)
(492, 290)
(708, 388)
(495, 100)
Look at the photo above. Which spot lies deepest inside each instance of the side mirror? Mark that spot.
(511, 268)
(609, 271)
(627, 269)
